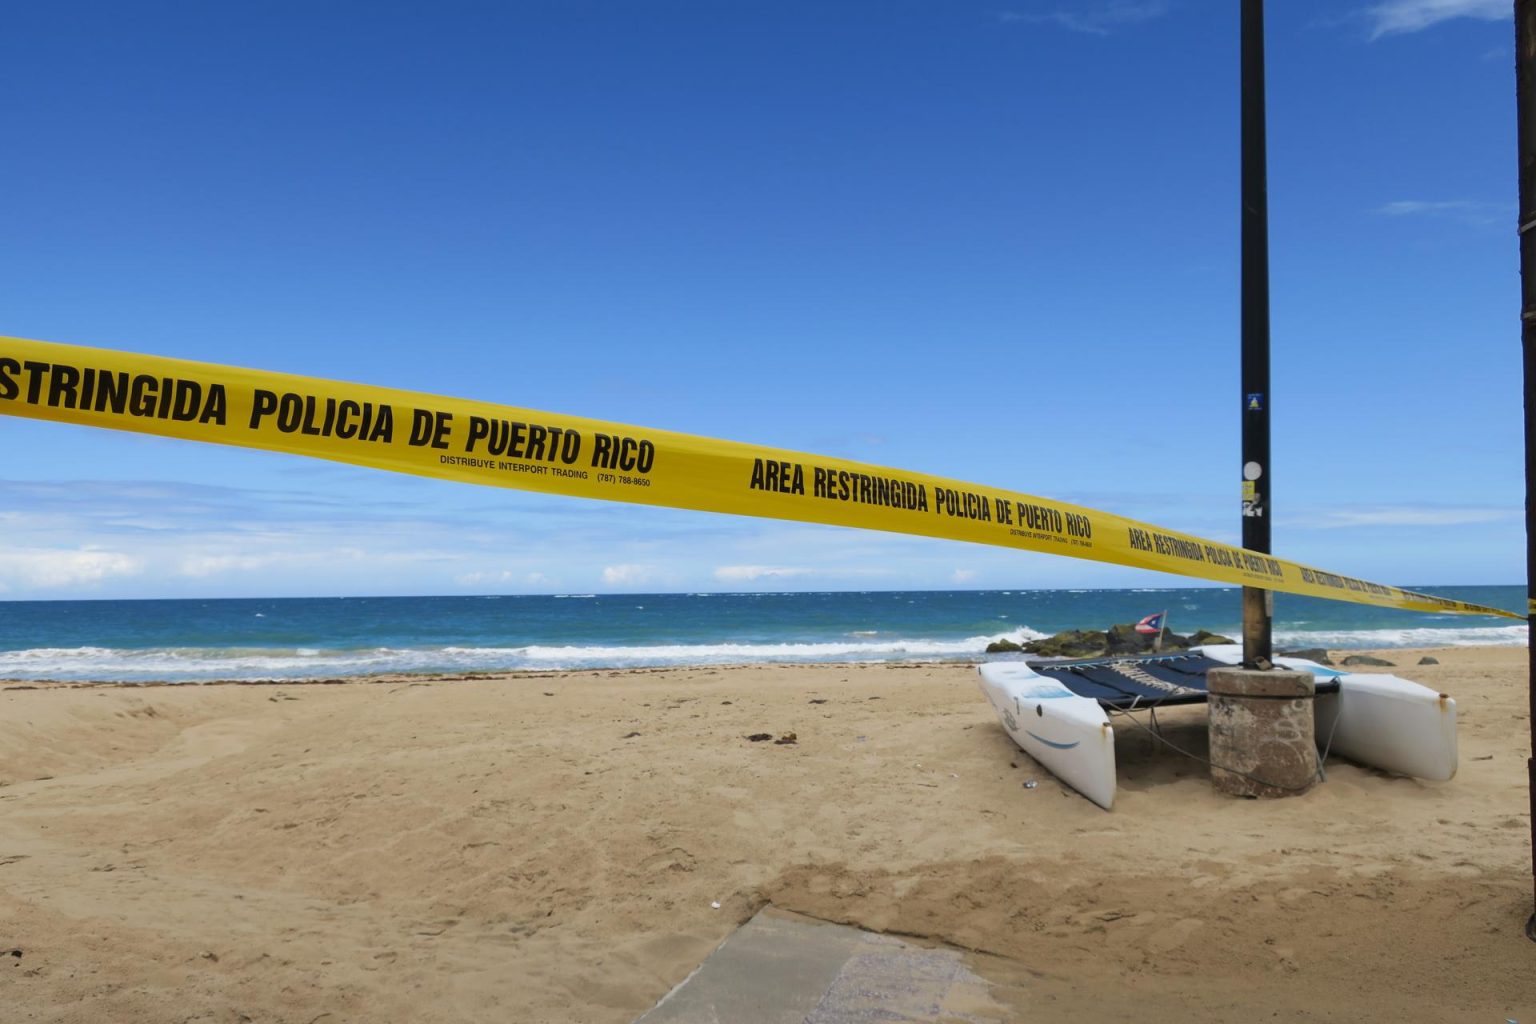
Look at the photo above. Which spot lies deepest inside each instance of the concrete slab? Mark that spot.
(781, 968)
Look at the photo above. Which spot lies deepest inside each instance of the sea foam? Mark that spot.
(196, 664)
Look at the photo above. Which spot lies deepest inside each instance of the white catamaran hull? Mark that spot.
(1381, 721)
(1378, 720)
(1069, 735)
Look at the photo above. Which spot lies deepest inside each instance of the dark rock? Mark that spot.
(1427, 660)
(1003, 647)
(1316, 654)
(1365, 659)
(1073, 643)
(1119, 639)
(1123, 639)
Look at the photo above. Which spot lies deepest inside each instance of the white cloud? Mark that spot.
(1402, 516)
(292, 550)
(751, 573)
(480, 577)
(1399, 16)
(495, 577)
(1465, 211)
(1095, 17)
(627, 575)
(47, 569)
(217, 565)
(963, 575)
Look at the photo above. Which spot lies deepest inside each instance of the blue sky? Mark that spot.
(995, 240)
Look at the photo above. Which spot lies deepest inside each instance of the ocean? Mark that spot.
(306, 638)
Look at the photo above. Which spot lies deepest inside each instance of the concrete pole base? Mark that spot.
(1261, 732)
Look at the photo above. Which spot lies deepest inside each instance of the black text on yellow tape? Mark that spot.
(482, 443)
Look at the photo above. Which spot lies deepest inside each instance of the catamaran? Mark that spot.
(1059, 712)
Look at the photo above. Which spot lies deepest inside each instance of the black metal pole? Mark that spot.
(1258, 481)
(1525, 107)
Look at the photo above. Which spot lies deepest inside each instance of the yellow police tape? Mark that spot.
(482, 443)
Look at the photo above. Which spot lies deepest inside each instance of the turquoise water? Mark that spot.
(288, 638)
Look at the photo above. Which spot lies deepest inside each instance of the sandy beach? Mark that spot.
(547, 847)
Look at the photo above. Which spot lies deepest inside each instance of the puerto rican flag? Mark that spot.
(1151, 624)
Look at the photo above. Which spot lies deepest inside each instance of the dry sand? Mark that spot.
(547, 848)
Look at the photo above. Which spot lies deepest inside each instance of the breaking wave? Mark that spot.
(204, 664)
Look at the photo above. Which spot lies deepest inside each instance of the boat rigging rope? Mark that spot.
(1136, 674)
(1322, 775)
